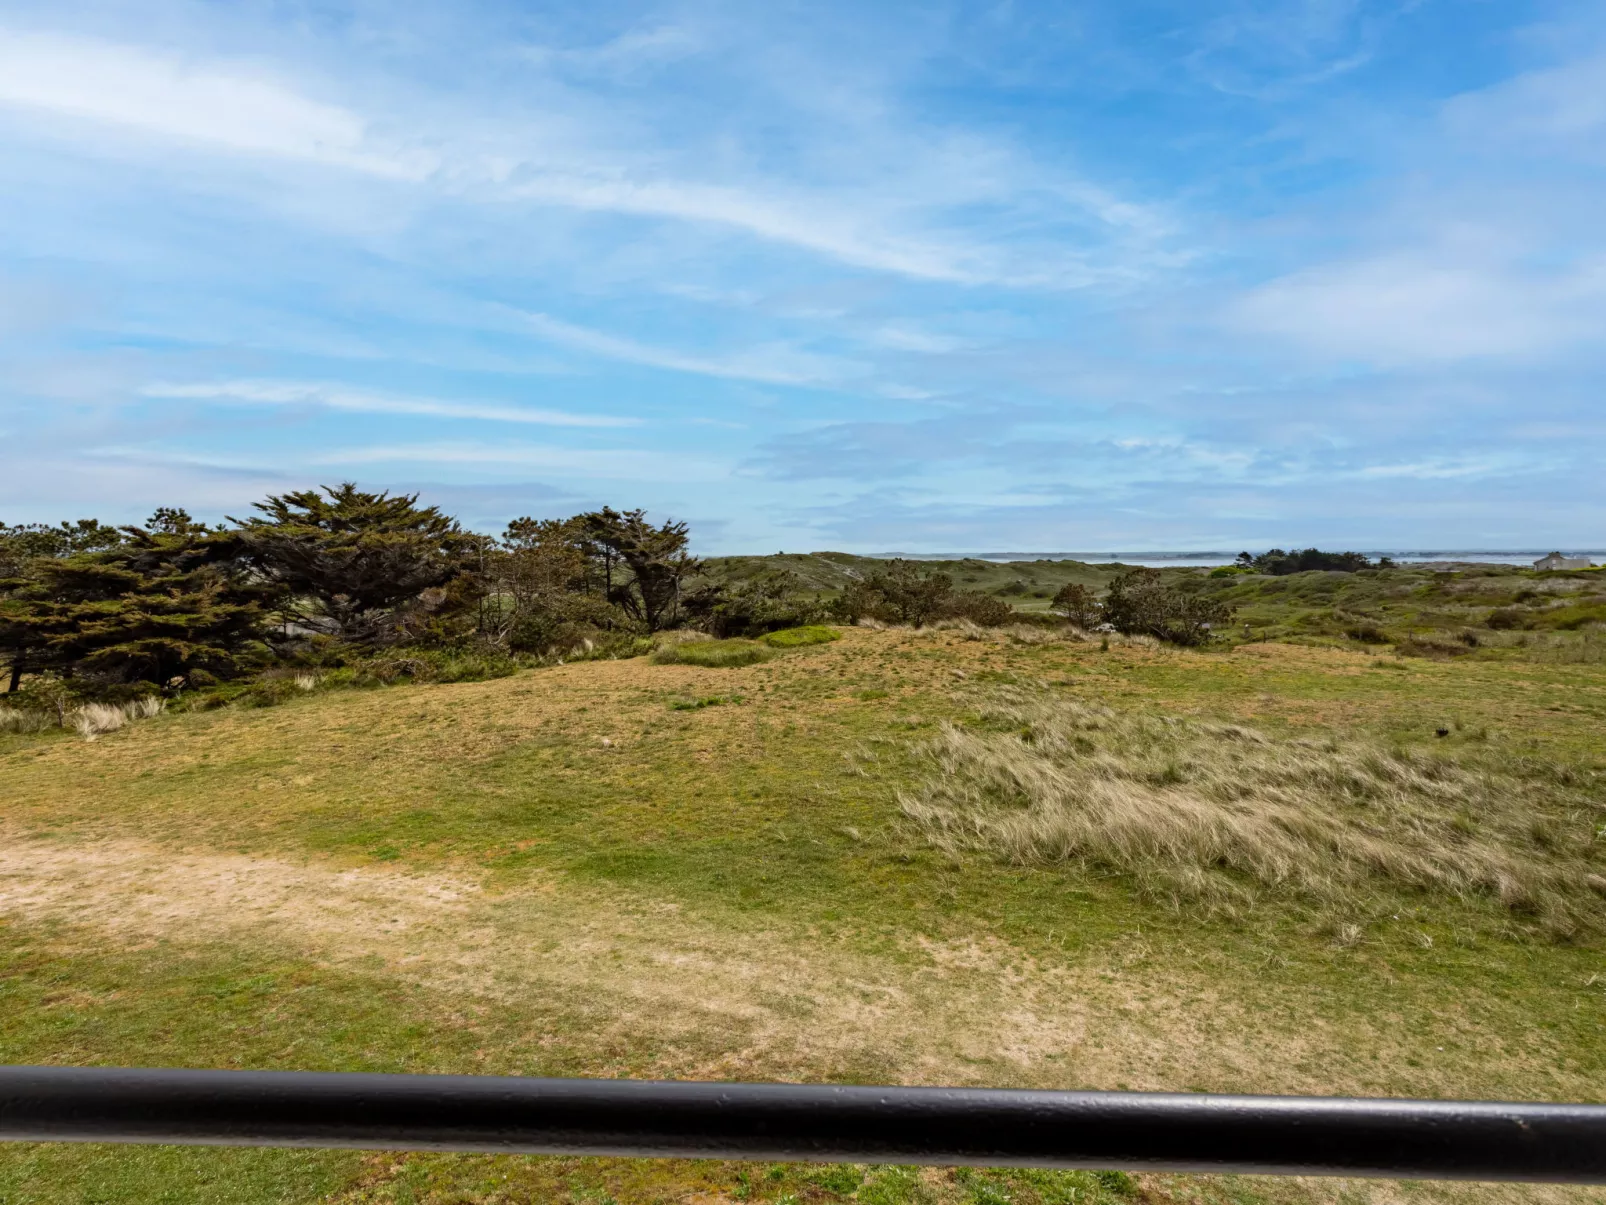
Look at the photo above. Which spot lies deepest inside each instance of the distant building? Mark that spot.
(1556, 561)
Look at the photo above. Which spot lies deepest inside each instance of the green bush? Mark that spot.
(714, 654)
(791, 638)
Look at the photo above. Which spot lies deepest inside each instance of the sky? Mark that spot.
(933, 277)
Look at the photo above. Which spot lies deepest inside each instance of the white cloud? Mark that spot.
(776, 364)
(231, 108)
(1409, 307)
(340, 397)
(585, 152)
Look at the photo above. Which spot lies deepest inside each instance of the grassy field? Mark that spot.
(769, 870)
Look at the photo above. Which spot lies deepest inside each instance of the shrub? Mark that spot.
(1506, 618)
(1140, 603)
(1367, 633)
(713, 654)
(791, 638)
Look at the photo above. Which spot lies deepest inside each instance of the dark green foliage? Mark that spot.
(165, 601)
(357, 565)
(26, 542)
(1278, 563)
(1141, 603)
(645, 567)
(1078, 604)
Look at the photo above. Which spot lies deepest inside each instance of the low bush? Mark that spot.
(1504, 619)
(791, 638)
(713, 654)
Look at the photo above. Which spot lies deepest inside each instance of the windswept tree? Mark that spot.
(166, 601)
(351, 563)
(645, 568)
(1078, 604)
(27, 550)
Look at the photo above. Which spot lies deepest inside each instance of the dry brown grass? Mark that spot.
(1219, 813)
(95, 719)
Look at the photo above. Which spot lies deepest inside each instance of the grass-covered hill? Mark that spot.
(953, 855)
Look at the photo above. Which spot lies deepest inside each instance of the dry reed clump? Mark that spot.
(94, 719)
(1216, 814)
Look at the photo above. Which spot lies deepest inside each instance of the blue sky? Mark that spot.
(864, 276)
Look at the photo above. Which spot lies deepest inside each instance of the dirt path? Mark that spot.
(720, 1001)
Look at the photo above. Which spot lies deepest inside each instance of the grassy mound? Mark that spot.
(1216, 812)
(713, 654)
(792, 638)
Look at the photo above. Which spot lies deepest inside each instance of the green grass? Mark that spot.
(565, 872)
(791, 638)
(714, 654)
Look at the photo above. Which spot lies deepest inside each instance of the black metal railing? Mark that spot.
(1277, 1135)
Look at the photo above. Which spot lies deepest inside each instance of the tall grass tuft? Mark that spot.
(13, 719)
(94, 719)
(1215, 815)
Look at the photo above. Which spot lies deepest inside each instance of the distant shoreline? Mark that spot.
(1163, 559)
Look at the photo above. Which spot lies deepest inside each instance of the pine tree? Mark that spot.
(350, 562)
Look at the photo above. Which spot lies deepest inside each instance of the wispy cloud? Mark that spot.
(227, 107)
(340, 397)
(776, 364)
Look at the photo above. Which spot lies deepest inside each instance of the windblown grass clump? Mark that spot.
(713, 654)
(94, 719)
(1218, 814)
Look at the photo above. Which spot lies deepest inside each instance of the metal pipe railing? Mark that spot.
(1138, 1131)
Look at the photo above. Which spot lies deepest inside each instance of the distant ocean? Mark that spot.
(1161, 560)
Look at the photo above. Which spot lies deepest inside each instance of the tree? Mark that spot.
(164, 602)
(352, 563)
(542, 589)
(1140, 603)
(1078, 604)
(655, 559)
(25, 549)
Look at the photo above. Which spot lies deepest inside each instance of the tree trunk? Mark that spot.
(16, 675)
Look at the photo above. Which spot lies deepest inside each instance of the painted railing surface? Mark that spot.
(1138, 1131)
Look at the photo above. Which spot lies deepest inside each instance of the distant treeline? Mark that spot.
(1278, 563)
